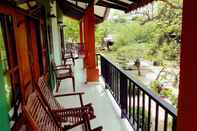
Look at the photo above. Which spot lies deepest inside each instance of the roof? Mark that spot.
(124, 5)
(76, 8)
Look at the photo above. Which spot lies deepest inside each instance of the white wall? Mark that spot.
(56, 36)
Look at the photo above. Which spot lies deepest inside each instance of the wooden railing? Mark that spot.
(144, 110)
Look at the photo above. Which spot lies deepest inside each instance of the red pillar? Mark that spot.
(187, 106)
(89, 44)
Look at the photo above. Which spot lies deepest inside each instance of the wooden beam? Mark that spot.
(110, 5)
(120, 3)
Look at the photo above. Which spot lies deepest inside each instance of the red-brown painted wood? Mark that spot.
(187, 106)
(89, 44)
(20, 30)
(33, 43)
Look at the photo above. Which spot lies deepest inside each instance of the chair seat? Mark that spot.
(61, 74)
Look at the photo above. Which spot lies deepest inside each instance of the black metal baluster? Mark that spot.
(115, 86)
(173, 123)
(116, 82)
(119, 88)
(109, 77)
(133, 103)
(129, 100)
(166, 121)
(106, 70)
(123, 93)
(156, 117)
(149, 113)
(112, 80)
(138, 108)
(143, 110)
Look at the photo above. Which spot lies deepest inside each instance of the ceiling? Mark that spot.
(76, 8)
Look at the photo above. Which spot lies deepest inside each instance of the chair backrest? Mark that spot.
(37, 116)
(46, 94)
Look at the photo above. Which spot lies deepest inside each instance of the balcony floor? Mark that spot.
(106, 110)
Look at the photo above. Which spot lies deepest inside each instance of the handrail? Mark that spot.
(163, 103)
(116, 77)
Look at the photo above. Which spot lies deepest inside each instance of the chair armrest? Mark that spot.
(86, 108)
(69, 94)
(62, 69)
(62, 66)
(97, 128)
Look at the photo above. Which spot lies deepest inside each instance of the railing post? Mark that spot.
(104, 70)
(123, 95)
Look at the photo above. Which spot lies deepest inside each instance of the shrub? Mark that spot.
(154, 86)
(174, 100)
(131, 91)
(166, 92)
(145, 126)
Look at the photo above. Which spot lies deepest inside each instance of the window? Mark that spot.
(4, 62)
(9, 58)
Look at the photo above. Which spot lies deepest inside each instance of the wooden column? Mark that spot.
(89, 44)
(187, 106)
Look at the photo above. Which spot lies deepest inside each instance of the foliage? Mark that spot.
(174, 100)
(152, 35)
(71, 30)
(142, 124)
(154, 86)
(166, 92)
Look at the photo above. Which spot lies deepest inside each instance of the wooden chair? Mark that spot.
(59, 111)
(63, 72)
(39, 118)
(67, 55)
(43, 88)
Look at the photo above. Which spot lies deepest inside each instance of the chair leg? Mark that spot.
(73, 59)
(73, 80)
(58, 85)
(64, 61)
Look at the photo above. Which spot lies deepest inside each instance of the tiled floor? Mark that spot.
(106, 110)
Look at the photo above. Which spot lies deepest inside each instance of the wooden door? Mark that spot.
(33, 49)
(44, 45)
(20, 29)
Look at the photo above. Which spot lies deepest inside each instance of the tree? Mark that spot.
(71, 29)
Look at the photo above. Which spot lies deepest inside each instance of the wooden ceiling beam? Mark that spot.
(119, 3)
(83, 1)
(110, 5)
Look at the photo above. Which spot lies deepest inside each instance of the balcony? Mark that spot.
(107, 112)
(121, 103)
